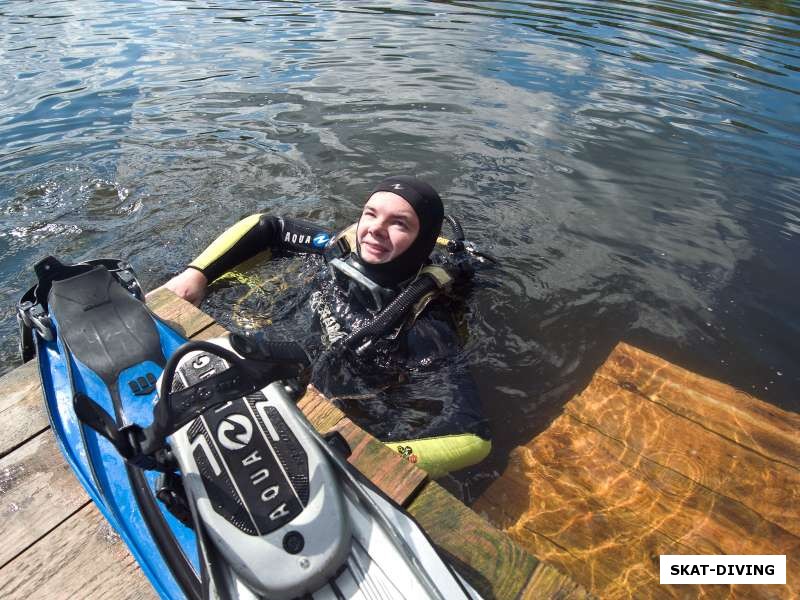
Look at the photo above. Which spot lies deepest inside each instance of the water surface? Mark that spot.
(634, 165)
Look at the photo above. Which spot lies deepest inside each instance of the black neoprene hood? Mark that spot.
(429, 209)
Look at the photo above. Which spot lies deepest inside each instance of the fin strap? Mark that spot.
(174, 410)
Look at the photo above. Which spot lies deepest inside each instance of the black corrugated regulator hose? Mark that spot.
(455, 225)
(391, 315)
(255, 345)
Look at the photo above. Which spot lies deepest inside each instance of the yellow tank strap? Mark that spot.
(348, 236)
(225, 242)
(443, 279)
(440, 274)
(442, 454)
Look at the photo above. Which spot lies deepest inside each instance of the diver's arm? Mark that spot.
(255, 234)
(239, 242)
(296, 235)
(242, 241)
(189, 285)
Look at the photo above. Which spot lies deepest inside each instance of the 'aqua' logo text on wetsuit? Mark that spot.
(297, 238)
(318, 241)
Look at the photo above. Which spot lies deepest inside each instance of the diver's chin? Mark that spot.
(374, 256)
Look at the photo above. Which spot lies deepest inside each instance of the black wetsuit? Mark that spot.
(413, 384)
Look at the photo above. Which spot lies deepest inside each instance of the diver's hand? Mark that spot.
(189, 285)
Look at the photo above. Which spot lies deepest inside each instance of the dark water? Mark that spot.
(633, 164)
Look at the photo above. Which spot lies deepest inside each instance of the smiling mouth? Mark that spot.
(373, 247)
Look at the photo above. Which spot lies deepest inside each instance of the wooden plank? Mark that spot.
(37, 493)
(651, 459)
(727, 411)
(182, 316)
(320, 412)
(547, 583)
(604, 513)
(394, 475)
(22, 409)
(487, 558)
(570, 524)
(768, 487)
(83, 558)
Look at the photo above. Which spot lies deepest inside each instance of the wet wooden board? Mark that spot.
(321, 414)
(768, 487)
(398, 478)
(21, 407)
(726, 411)
(58, 545)
(648, 461)
(38, 491)
(548, 583)
(492, 563)
(83, 558)
(393, 474)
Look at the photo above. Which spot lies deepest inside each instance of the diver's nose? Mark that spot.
(378, 228)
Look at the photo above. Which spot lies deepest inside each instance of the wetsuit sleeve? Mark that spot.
(296, 235)
(255, 234)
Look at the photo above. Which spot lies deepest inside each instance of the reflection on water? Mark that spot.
(633, 164)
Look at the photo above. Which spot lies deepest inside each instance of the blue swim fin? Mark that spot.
(201, 461)
(93, 335)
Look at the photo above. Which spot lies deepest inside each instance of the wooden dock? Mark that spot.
(55, 543)
(652, 459)
(649, 459)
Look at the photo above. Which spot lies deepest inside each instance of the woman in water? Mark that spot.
(374, 278)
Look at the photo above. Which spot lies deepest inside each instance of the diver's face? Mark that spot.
(388, 226)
